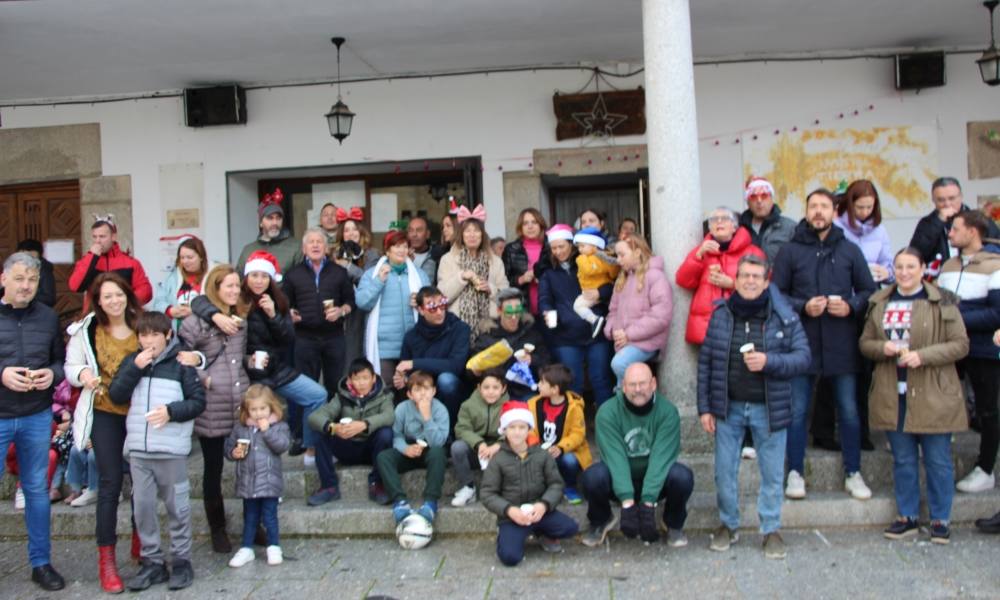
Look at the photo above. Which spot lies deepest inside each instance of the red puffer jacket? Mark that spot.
(693, 275)
(89, 266)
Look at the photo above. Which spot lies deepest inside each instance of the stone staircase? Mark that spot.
(827, 505)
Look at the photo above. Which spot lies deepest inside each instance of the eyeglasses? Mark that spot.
(511, 310)
(720, 219)
(759, 197)
(441, 304)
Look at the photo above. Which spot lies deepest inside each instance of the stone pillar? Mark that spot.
(674, 178)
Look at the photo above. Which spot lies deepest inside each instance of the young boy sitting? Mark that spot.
(356, 425)
(594, 268)
(562, 431)
(521, 485)
(165, 398)
(419, 432)
(476, 437)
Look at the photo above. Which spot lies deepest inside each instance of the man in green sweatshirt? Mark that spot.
(639, 434)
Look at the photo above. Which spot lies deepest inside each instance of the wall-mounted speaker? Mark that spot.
(219, 105)
(918, 71)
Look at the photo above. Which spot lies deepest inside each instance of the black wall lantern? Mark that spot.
(989, 62)
(340, 118)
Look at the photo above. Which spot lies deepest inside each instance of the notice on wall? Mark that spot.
(385, 210)
(183, 218)
(59, 252)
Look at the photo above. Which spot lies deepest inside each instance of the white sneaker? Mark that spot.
(242, 557)
(748, 453)
(464, 496)
(19, 499)
(274, 556)
(795, 488)
(855, 486)
(976, 481)
(308, 460)
(86, 498)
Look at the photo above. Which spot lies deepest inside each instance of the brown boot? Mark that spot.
(215, 511)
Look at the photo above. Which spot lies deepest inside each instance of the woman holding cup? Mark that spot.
(914, 334)
(859, 214)
(175, 293)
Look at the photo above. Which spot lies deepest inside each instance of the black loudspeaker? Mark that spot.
(918, 71)
(220, 105)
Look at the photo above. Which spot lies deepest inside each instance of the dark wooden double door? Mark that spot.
(44, 211)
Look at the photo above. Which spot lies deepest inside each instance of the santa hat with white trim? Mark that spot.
(755, 185)
(260, 260)
(592, 236)
(515, 410)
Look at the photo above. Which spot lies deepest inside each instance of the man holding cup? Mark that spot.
(754, 346)
(825, 278)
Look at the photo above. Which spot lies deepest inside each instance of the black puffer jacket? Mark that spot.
(34, 342)
(807, 267)
(515, 262)
(305, 296)
(931, 236)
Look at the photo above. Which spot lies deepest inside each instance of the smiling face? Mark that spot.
(434, 309)
(20, 284)
(491, 389)
(189, 260)
(351, 233)
(639, 385)
(517, 433)
(909, 271)
(112, 299)
(229, 289)
(258, 282)
(397, 253)
(751, 281)
(472, 236)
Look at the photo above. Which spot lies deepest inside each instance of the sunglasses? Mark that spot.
(513, 310)
(441, 304)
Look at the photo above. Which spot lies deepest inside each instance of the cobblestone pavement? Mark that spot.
(820, 564)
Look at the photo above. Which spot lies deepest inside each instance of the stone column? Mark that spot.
(674, 178)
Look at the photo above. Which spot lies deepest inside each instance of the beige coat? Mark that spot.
(451, 285)
(934, 402)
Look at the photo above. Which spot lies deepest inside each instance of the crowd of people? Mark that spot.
(500, 356)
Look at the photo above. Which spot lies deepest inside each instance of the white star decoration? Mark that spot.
(598, 124)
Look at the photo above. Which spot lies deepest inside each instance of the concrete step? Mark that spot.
(362, 518)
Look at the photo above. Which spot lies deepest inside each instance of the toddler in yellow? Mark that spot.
(594, 268)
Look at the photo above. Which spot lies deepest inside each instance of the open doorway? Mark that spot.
(618, 196)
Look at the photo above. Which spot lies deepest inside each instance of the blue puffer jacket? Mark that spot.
(395, 315)
(557, 289)
(787, 350)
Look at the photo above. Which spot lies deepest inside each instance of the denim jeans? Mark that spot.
(625, 357)
(309, 395)
(848, 421)
(257, 511)
(593, 359)
(906, 470)
(598, 491)
(31, 437)
(569, 468)
(82, 470)
(770, 446)
(451, 392)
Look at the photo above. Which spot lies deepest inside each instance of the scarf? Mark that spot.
(371, 328)
(472, 305)
(744, 308)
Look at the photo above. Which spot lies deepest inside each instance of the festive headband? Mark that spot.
(108, 219)
(478, 213)
(355, 214)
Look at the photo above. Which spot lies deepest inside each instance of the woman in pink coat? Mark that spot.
(641, 307)
(710, 269)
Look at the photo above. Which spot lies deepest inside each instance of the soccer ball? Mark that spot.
(414, 532)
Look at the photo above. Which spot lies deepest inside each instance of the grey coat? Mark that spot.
(222, 372)
(259, 474)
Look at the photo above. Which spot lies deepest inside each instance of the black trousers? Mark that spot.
(984, 377)
(314, 356)
(108, 438)
(212, 452)
(677, 488)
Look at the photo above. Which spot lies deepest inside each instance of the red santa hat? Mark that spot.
(515, 410)
(260, 260)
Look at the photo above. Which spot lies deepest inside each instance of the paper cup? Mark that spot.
(243, 443)
(521, 355)
(327, 304)
(546, 445)
(422, 443)
(747, 348)
(528, 509)
(259, 358)
(529, 348)
(833, 297)
(348, 421)
(483, 463)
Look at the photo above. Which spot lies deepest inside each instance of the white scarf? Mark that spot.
(371, 328)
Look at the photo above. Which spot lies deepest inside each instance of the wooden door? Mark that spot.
(45, 211)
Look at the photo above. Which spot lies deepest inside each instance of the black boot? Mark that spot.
(990, 525)
(181, 576)
(215, 512)
(47, 578)
(150, 573)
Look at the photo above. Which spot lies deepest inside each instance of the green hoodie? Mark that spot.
(639, 448)
(478, 422)
(376, 408)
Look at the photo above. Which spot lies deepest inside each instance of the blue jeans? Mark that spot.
(255, 512)
(625, 357)
(593, 359)
(309, 395)
(31, 437)
(770, 446)
(82, 470)
(451, 392)
(569, 468)
(906, 470)
(848, 421)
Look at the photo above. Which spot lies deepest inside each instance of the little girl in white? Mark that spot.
(256, 444)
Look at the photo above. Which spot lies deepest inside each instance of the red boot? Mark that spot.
(136, 545)
(107, 568)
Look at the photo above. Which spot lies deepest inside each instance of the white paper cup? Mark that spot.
(521, 355)
(327, 304)
(243, 443)
(422, 443)
(833, 297)
(551, 319)
(546, 445)
(529, 348)
(483, 463)
(528, 509)
(747, 348)
(346, 421)
(259, 358)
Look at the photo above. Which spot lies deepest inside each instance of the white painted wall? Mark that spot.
(501, 117)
